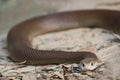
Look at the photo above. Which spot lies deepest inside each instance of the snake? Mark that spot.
(19, 38)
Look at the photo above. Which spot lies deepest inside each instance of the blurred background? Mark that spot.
(15, 11)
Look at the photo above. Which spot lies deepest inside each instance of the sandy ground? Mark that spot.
(103, 43)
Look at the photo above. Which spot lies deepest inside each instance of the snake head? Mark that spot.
(89, 64)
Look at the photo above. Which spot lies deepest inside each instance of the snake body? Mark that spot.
(20, 36)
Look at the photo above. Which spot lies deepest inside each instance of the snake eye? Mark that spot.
(83, 64)
(92, 63)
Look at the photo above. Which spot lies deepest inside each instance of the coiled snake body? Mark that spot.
(20, 36)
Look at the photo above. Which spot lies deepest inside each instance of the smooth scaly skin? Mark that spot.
(20, 36)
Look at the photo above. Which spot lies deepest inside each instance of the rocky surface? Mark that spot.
(104, 44)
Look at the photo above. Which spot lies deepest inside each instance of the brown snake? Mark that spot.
(20, 36)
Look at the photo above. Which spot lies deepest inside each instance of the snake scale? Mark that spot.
(20, 36)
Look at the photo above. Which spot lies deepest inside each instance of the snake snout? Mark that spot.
(88, 64)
